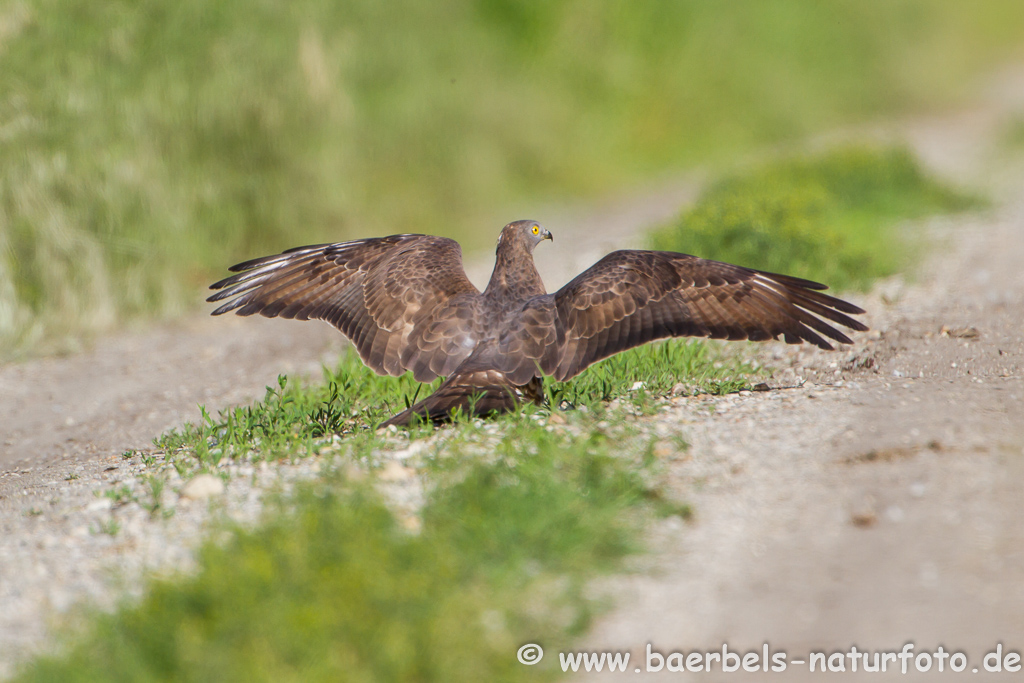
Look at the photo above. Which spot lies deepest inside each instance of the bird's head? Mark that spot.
(525, 234)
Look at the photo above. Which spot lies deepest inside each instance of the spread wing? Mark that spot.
(404, 300)
(632, 297)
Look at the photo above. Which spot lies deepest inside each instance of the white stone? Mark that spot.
(100, 504)
(202, 486)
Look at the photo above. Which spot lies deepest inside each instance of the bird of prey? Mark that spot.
(407, 305)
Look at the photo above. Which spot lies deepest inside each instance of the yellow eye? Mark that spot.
(536, 230)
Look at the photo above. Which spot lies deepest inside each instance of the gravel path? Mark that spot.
(877, 502)
(871, 506)
(881, 502)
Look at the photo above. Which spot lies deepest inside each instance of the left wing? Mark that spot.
(631, 297)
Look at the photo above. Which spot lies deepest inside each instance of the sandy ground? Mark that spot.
(877, 503)
(872, 506)
(881, 502)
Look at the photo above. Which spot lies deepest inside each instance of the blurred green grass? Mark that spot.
(331, 587)
(1011, 140)
(828, 217)
(145, 145)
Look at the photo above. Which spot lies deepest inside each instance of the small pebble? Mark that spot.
(895, 513)
(100, 504)
(202, 486)
(863, 518)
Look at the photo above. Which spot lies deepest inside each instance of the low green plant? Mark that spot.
(827, 217)
(110, 527)
(155, 484)
(330, 586)
(352, 399)
(655, 370)
(120, 495)
(293, 415)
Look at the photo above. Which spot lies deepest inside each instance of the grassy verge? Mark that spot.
(330, 587)
(828, 217)
(353, 400)
(519, 515)
(146, 145)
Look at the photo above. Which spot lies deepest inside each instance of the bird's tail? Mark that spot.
(475, 392)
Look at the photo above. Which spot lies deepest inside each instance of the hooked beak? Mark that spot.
(548, 236)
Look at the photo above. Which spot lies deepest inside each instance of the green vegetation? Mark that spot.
(330, 587)
(520, 513)
(655, 369)
(827, 217)
(295, 418)
(1012, 139)
(144, 146)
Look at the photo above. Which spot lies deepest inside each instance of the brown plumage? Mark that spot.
(407, 305)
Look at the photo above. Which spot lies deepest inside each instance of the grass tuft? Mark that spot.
(294, 416)
(828, 217)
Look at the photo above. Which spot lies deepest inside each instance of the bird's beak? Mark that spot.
(548, 236)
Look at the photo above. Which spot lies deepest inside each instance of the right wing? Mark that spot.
(404, 300)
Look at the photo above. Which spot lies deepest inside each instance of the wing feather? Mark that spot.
(632, 297)
(385, 294)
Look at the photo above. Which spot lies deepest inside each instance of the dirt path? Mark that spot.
(878, 503)
(883, 501)
(872, 507)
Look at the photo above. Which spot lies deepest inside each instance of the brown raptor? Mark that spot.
(407, 305)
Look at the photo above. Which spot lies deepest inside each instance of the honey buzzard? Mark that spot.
(407, 305)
